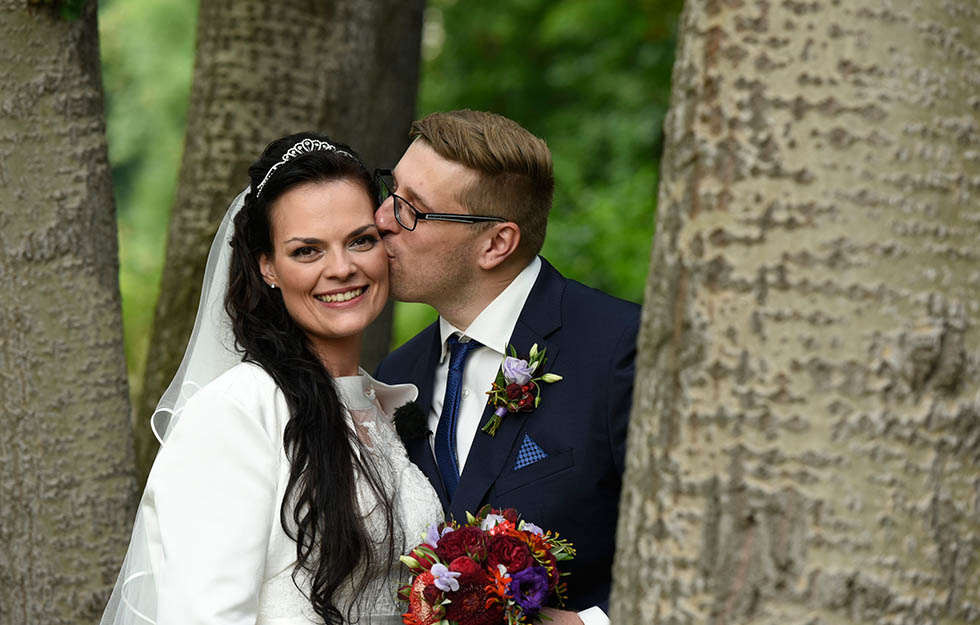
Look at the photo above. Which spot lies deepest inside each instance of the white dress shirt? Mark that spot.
(492, 328)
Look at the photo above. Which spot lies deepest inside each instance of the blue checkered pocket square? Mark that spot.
(530, 453)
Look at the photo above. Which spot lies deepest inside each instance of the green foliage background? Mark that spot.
(590, 76)
(147, 60)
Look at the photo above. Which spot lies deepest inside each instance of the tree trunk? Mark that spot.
(67, 490)
(805, 440)
(265, 69)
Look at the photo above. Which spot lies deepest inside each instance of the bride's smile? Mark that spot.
(342, 296)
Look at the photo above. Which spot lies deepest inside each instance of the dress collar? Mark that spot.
(495, 323)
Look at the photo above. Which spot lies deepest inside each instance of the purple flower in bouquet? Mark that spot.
(517, 371)
(529, 588)
(445, 580)
(491, 521)
(432, 535)
(531, 527)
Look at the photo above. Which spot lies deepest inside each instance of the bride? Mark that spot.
(281, 493)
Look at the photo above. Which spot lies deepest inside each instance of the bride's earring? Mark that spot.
(272, 285)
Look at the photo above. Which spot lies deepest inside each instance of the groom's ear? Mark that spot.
(265, 268)
(498, 244)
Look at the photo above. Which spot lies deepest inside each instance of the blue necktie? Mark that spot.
(445, 443)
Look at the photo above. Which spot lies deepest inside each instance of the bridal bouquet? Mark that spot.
(494, 569)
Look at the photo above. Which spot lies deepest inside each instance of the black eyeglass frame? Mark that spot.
(461, 218)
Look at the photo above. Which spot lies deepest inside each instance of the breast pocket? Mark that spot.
(540, 470)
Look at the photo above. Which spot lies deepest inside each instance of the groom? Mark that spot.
(463, 223)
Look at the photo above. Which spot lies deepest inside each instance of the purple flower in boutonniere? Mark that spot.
(516, 371)
(517, 387)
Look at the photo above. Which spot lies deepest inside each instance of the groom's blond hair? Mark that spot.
(515, 177)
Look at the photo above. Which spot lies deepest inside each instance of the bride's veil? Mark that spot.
(210, 352)
(211, 349)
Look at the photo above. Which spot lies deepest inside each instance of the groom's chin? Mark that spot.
(404, 289)
(400, 294)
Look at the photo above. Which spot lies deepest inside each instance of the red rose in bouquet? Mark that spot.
(469, 606)
(509, 551)
(469, 571)
(494, 570)
(431, 594)
(464, 541)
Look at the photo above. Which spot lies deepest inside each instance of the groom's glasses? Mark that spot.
(408, 216)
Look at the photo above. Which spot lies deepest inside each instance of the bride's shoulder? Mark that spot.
(242, 376)
(236, 418)
(244, 392)
(247, 377)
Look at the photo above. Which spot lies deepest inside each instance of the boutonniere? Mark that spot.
(410, 422)
(517, 387)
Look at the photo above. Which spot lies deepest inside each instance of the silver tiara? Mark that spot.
(303, 147)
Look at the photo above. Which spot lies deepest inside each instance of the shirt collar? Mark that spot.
(495, 323)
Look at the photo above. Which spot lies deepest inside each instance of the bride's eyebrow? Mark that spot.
(362, 229)
(306, 240)
(316, 241)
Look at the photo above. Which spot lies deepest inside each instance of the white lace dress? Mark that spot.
(216, 551)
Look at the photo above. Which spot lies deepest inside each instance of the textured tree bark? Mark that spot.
(67, 487)
(263, 70)
(805, 441)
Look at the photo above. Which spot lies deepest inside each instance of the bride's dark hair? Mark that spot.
(333, 545)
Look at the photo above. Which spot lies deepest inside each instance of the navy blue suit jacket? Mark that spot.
(580, 424)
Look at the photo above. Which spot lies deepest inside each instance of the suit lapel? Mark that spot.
(539, 319)
(419, 450)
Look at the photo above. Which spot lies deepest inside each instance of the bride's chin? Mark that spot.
(346, 322)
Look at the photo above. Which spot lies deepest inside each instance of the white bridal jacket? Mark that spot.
(208, 546)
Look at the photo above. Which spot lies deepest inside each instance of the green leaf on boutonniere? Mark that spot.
(410, 422)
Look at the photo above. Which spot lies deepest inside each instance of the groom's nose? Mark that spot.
(384, 217)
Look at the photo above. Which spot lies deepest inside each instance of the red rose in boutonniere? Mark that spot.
(517, 387)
